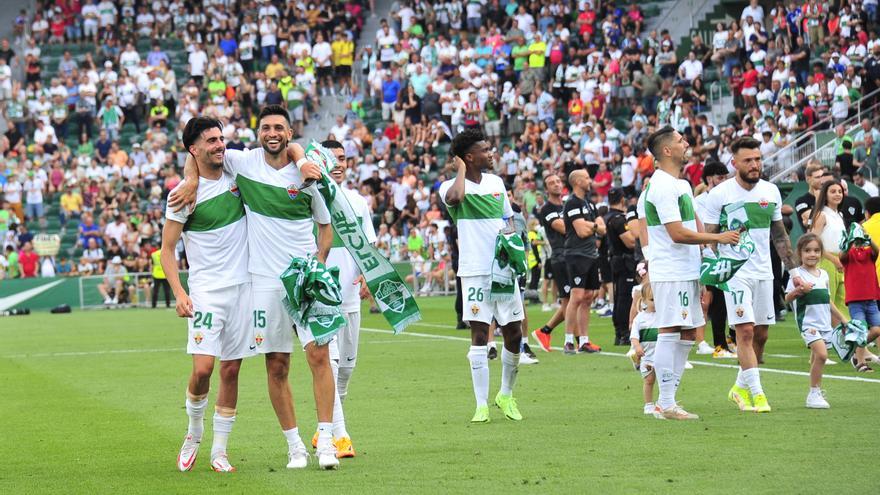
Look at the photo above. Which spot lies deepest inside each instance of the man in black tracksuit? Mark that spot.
(622, 223)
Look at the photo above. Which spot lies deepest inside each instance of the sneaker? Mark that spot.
(220, 464)
(315, 440)
(543, 340)
(461, 326)
(816, 400)
(344, 448)
(108, 300)
(675, 412)
(588, 348)
(327, 456)
(508, 406)
(298, 458)
(741, 397)
(569, 348)
(493, 352)
(186, 459)
(872, 358)
(704, 349)
(829, 362)
(722, 353)
(649, 409)
(115, 300)
(688, 365)
(545, 308)
(761, 404)
(524, 358)
(481, 415)
(605, 311)
(528, 351)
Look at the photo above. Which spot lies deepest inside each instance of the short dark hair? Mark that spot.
(659, 138)
(274, 110)
(332, 144)
(847, 145)
(872, 205)
(195, 127)
(714, 168)
(745, 142)
(464, 140)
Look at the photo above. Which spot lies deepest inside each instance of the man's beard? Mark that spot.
(749, 180)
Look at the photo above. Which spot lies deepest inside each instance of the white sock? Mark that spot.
(479, 358)
(524, 341)
(325, 434)
(342, 382)
(196, 412)
(222, 429)
(293, 439)
(664, 368)
(492, 345)
(752, 377)
(740, 381)
(600, 302)
(509, 369)
(815, 390)
(569, 338)
(583, 339)
(682, 349)
(338, 415)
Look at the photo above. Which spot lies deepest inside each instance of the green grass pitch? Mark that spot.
(92, 402)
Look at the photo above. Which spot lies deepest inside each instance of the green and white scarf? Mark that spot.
(394, 299)
(718, 269)
(854, 236)
(313, 297)
(509, 263)
(846, 337)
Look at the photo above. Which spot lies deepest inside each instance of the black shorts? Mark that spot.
(583, 272)
(605, 275)
(548, 270)
(324, 71)
(560, 276)
(343, 71)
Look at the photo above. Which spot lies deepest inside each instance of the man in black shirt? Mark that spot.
(850, 208)
(844, 161)
(582, 225)
(815, 175)
(622, 224)
(550, 216)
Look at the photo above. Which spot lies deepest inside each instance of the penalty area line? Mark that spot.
(618, 354)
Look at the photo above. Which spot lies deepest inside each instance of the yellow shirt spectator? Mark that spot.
(71, 202)
(872, 228)
(537, 54)
(343, 52)
(273, 71)
(158, 273)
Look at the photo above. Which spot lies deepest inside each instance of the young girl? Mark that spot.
(814, 312)
(643, 337)
(862, 291)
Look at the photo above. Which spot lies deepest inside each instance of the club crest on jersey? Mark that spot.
(740, 312)
(684, 314)
(292, 191)
(763, 203)
(496, 195)
(475, 309)
(198, 338)
(258, 339)
(234, 190)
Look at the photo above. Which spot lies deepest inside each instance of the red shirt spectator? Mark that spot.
(586, 20)
(750, 79)
(603, 181)
(694, 172)
(29, 262)
(860, 275)
(392, 132)
(56, 27)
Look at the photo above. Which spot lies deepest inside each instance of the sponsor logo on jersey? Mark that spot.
(198, 338)
(292, 191)
(258, 339)
(763, 203)
(475, 309)
(391, 295)
(740, 312)
(234, 190)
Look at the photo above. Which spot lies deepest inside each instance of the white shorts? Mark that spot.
(677, 304)
(646, 365)
(477, 307)
(221, 323)
(750, 301)
(811, 335)
(273, 327)
(347, 340)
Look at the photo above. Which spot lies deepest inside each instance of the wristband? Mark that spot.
(301, 162)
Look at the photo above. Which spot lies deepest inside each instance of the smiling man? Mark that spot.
(281, 215)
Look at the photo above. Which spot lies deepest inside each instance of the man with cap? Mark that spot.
(621, 234)
(112, 287)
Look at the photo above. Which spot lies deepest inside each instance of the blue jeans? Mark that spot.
(268, 51)
(865, 311)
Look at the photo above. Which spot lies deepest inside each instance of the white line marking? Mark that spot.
(617, 354)
(90, 353)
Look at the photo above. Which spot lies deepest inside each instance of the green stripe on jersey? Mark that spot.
(274, 201)
(759, 217)
(217, 212)
(478, 207)
(648, 335)
(686, 208)
(816, 297)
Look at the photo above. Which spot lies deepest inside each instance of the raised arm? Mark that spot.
(455, 194)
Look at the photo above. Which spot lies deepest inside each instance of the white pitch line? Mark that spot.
(617, 354)
(89, 353)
